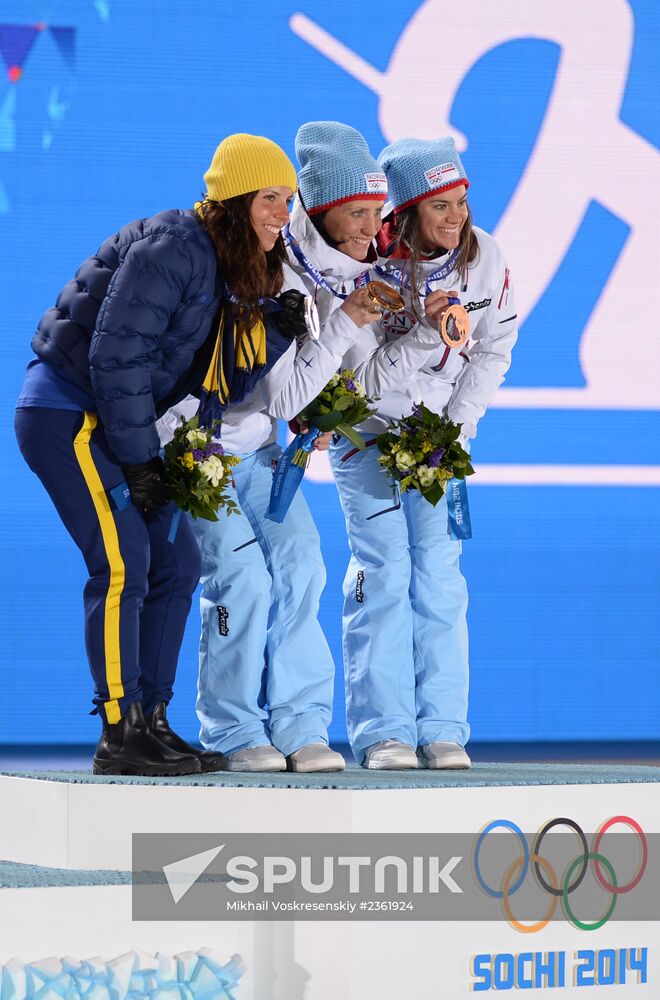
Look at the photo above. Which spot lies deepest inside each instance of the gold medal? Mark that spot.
(455, 325)
(385, 297)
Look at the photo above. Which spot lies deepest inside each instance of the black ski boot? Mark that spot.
(157, 722)
(128, 747)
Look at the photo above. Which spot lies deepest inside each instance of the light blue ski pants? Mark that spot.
(404, 624)
(265, 668)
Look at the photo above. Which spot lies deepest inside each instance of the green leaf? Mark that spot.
(328, 421)
(344, 403)
(434, 494)
(352, 435)
(385, 441)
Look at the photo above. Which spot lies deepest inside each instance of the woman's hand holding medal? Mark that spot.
(360, 307)
(384, 297)
(374, 298)
(444, 311)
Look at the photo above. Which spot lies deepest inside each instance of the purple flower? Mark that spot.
(199, 454)
(416, 410)
(215, 448)
(350, 385)
(436, 457)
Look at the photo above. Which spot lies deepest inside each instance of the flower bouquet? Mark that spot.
(340, 407)
(422, 453)
(198, 471)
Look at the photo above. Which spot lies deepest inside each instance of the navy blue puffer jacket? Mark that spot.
(126, 328)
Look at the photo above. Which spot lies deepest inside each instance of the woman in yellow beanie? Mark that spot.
(249, 184)
(167, 305)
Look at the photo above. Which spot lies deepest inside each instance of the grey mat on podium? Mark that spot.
(359, 779)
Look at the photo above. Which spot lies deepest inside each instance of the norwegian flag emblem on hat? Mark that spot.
(441, 174)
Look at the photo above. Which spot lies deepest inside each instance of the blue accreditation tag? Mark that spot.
(459, 526)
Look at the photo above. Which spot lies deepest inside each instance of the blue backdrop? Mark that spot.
(111, 110)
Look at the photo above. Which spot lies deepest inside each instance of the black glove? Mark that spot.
(297, 315)
(146, 481)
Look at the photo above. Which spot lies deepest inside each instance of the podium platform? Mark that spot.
(90, 819)
(65, 841)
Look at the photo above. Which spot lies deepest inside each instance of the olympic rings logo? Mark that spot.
(546, 878)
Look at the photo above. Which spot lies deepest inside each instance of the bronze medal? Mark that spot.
(385, 297)
(455, 326)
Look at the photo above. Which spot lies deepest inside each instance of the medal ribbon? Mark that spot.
(404, 278)
(315, 274)
(232, 298)
(289, 473)
(459, 525)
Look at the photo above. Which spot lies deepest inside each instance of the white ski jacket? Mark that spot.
(406, 361)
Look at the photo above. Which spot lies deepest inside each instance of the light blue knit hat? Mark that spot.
(419, 168)
(336, 166)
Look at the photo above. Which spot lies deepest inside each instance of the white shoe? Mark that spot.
(390, 755)
(262, 758)
(315, 757)
(439, 756)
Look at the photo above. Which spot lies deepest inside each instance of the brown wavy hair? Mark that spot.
(407, 230)
(249, 271)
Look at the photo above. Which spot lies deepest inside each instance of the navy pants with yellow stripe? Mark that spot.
(140, 585)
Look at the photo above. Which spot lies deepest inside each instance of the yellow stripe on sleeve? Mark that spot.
(81, 447)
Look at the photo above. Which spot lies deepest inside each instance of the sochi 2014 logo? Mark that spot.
(558, 887)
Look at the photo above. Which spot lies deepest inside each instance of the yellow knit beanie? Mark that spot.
(244, 163)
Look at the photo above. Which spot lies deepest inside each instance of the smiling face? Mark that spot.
(269, 214)
(353, 225)
(441, 219)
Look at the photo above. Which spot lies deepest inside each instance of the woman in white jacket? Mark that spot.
(266, 672)
(405, 600)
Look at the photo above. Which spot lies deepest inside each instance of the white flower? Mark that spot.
(405, 460)
(425, 474)
(197, 439)
(214, 470)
